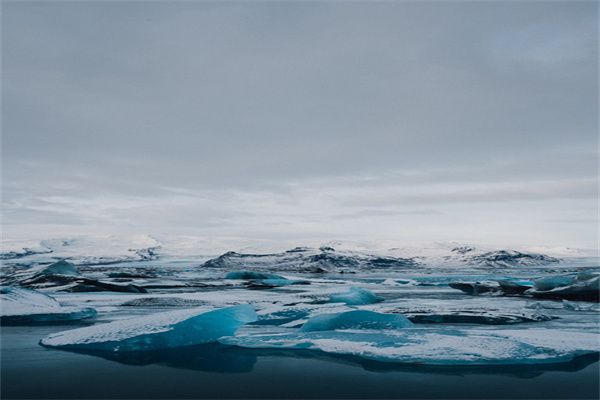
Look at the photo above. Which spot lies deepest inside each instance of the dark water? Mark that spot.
(216, 371)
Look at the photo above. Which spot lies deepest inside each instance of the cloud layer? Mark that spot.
(436, 120)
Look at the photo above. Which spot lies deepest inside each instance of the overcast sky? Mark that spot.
(460, 120)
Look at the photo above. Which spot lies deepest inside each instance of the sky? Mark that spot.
(474, 121)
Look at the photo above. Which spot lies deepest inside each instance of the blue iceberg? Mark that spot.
(156, 331)
(358, 319)
(434, 346)
(355, 297)
(25, 306)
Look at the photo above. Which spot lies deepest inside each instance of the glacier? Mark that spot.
(156, 331)
(26, 306)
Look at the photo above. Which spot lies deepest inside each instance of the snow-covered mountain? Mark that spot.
(316, 255)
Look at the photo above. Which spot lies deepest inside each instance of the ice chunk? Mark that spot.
(62, 267)
(24, 306)
(156, 331)
(163, 302)
(355, 296)
(285, 282)
(399, 282)
(435, 346)
(487, 317)
(585, 286)
(358, 319)
(60, 271)
(551, 282)
(64, 276)
(251, 275)
(476, 287)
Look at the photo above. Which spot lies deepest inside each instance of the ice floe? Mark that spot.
(358, 319)
(24, 306)
(156, 331)
(583, 286)
(434, 346)
(355, 296)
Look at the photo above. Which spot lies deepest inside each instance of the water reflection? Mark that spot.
(209, 357)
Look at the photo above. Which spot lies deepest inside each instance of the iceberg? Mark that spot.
(551, 282)
(355, 296)
(486, 317)
(358, 319)
(434, 346)
(585, 286)
(25, 306)
(63, 276)
(263, 280)
(251, 275)
(156, 331)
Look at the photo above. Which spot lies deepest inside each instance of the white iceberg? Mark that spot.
(435, 346)
(156, 331)
(24, 306)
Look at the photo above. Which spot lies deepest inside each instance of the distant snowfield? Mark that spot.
(91, 250)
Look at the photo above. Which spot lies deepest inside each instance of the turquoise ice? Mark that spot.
(434, 346)
(358, 319)
(355, 296)
(156, 331)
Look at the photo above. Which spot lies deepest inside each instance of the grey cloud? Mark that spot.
(492, 193)
(369, 213)
(279, 101)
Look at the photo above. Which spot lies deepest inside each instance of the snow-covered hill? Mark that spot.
(316, 255)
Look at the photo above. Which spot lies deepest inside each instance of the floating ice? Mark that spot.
(486, 317)
(156, 331)
(551, 282)
(399, 282)
(63, 276)
(358, 319)
(355, 296)
(435, 346)
(585, 286)
(23, 306)
(61, 267)
(284, 282)
(251, 275)
(163, 302)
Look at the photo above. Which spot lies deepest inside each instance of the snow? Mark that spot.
(156, 331)
(104, 249)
